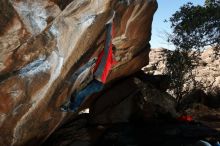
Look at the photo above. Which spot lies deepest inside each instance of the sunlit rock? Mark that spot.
(41, 47)
(207, 73)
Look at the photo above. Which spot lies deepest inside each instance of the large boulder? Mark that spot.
(117, 104)
(44, 42)
(131, 103)
(207, 73)
(132, 100)
(157, 61)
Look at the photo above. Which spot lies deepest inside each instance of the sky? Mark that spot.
(165, 10)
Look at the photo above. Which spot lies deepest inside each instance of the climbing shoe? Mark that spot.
(68, 108)
(64, 108)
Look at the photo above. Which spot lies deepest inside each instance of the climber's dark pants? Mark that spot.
(203, 143)
(93, 87)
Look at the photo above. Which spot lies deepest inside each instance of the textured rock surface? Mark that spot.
(207, 73)
(134, 112)
(140, 133)
(206, 115)
(132, 99)
(154, 103)
(127, 100)
(42, 46)
(157, 62)
(116, 105)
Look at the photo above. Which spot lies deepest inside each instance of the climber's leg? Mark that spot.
(93, 87)
(203, 143)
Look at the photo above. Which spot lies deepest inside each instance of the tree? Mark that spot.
(193, 28)
(179, 67)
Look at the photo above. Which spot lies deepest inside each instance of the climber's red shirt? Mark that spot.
(105, 58)
(185, 118)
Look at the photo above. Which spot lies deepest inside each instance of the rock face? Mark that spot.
(42, 44)
(134, 112)
(207, 73)
(116, 105)
(157, 62)
(129, 100)
(132, 99)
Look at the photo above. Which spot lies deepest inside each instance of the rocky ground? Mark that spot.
(80, 132)
(142, 115)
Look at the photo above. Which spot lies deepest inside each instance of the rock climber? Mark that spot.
(102, 67)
